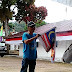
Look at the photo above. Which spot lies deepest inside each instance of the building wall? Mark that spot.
(42, 54)
(14, 47)
(21, 50)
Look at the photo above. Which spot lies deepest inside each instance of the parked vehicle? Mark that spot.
(67, 57)
(3, 51)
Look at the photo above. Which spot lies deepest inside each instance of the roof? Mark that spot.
(15, 35)
(61, 26)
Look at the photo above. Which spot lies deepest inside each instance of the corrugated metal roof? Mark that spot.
(60, 26)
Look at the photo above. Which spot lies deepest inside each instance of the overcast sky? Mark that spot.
(56, 11)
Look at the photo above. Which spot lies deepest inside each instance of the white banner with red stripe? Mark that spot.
(14, 40)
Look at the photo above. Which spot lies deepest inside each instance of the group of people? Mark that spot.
(29, 48)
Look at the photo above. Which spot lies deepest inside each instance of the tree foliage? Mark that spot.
(19, 26)
(27, 11)
(38, 24)
(0, 25)
(11, 25)
(43, 11)
(5, 11)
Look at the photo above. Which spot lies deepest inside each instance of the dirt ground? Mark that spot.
(13, 64)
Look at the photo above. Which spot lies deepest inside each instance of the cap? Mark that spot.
(31, 24)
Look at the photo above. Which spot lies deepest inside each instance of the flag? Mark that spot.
(1, 31)
(47, 39)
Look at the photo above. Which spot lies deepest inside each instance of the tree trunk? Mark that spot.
(6, 28)
(6, 33)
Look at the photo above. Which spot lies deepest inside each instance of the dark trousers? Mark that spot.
(25, 63)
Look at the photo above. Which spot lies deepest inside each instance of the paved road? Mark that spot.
(13, 64)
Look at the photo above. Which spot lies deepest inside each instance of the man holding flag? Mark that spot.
(29, 48)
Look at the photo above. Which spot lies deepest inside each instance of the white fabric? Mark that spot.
(61, 38)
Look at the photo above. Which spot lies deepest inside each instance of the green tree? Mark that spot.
(11, 27)
(40, 23)
(0, 24)
(19, 26)
(6, 13)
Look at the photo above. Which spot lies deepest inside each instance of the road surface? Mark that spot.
(13, 64)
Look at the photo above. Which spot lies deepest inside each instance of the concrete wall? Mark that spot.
(42, 54)
(14, 47)
(21, 50)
